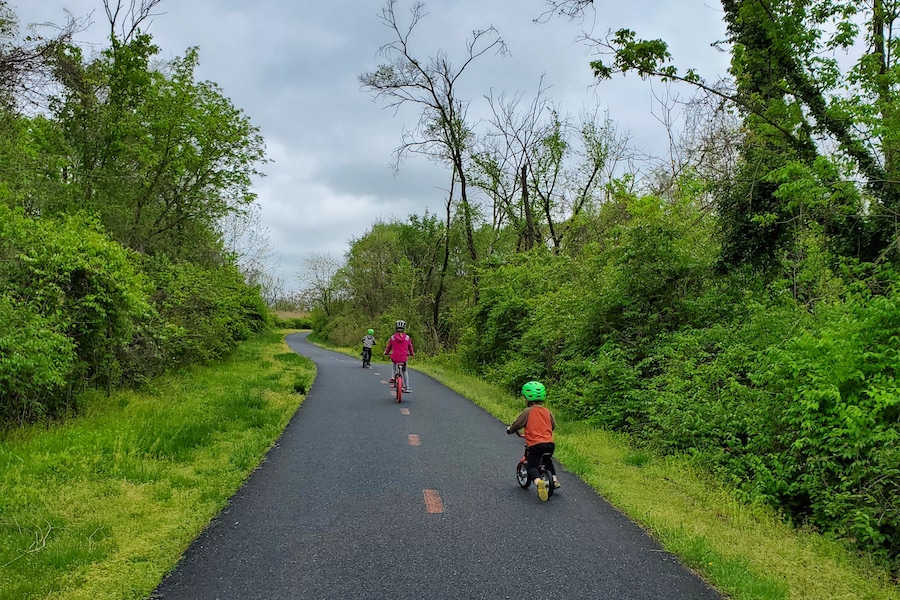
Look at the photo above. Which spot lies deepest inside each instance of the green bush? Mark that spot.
(65, 279)
(201, 314)
(292, 322)
(836, 411)
(509, 297)
(604, 388)
(36, 363)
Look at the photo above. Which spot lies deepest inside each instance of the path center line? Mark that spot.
(414, 440)
(433, 502)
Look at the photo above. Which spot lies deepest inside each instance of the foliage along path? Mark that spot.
(363, 497)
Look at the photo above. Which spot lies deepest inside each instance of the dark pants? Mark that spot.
(367, 355)
(534, 454)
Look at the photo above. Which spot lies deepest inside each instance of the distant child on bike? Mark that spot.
(367, 343)
(539, 424)
(400, 348)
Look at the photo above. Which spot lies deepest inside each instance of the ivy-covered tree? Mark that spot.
(811, 121)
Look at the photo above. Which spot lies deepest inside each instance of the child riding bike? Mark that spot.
(539, 423)
(400, 348)
(367, 343)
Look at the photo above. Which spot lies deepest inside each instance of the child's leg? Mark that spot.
(548, 463)
(534, 459)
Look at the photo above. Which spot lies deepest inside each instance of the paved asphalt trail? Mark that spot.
(338, 510)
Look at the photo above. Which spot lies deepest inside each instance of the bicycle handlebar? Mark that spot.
(517, 432)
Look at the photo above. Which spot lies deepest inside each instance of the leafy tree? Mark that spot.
(161, 157)
(370, 260)
(111, 203)
(797, 102)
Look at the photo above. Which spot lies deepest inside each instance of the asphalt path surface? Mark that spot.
(363, 497)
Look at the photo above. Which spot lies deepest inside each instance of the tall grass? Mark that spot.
(102, 507)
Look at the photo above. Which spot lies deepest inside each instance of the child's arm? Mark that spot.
(520, 421)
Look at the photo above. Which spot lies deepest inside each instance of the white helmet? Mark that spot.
(400, 325)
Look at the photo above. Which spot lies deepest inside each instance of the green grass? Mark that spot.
(102, 506)
(746, 552)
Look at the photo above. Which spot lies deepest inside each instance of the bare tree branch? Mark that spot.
(132, 15)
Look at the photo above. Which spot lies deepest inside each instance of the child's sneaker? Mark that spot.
(556, 483)
(542, 489)
(406, 390)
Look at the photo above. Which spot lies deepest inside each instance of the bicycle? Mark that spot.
(366, 357)
(398, 380)
(545, 474)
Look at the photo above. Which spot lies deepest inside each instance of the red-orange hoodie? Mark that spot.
(538, 422)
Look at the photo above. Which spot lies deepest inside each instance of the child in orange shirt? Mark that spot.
(539, 424)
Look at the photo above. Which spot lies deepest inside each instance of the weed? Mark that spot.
(636, 459)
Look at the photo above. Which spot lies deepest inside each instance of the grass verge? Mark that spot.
(103, 506)
(746, 552)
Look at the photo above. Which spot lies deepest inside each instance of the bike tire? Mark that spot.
(522, 474)
(398, 383)
(546, 462)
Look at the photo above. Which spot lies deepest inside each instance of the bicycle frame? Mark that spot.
(545, 473)
(399, 376)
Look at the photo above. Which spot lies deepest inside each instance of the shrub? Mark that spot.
(84, 287)
(292, 322)
(201, 313)
(36, 363)
(836, 412)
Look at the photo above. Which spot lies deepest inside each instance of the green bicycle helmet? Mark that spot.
(371, 332)
(534, 391)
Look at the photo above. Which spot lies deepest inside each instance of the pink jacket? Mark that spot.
(400, 347)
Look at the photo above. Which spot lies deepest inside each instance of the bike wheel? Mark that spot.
(546, 474)
(399, 384)
(522, 474)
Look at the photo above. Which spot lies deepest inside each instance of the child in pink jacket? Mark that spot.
(400, 348)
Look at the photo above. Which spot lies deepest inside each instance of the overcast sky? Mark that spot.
(292, 66)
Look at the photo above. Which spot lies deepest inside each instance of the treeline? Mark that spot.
(116, 171)
(736, 302)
